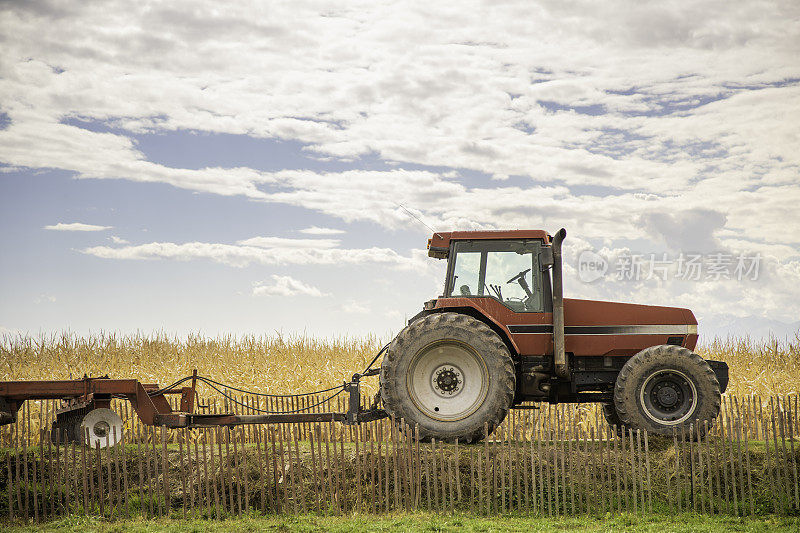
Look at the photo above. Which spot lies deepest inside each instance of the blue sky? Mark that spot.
(179, 167)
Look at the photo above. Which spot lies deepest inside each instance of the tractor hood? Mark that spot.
(590, 318)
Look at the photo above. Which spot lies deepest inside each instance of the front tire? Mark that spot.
(666, 387)
(450, 374)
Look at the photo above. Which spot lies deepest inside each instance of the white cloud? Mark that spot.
(315, 230)
(280, 242)
(76, 226)
(636, 97)
(355, 308)
(446, 203)
(44, 299)
(238, 255)
(118, 240)
(286, 286)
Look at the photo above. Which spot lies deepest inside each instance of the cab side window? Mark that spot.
(505, 270)
(466, 274)
(510, 278)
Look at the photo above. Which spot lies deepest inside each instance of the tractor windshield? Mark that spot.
(505, 270)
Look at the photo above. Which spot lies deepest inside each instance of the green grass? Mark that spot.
(428, 522)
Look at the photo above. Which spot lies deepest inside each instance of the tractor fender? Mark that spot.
(477, 314)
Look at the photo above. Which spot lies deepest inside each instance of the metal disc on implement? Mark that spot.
(105, 427)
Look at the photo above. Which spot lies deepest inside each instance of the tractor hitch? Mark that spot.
(355, 414)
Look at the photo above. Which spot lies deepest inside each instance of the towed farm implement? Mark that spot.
(85, 413)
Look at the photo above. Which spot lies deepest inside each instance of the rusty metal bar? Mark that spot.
(152, 407)
(44, 390)
(226, 419)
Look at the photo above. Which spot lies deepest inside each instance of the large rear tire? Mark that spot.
(450, 374)
(666, 387)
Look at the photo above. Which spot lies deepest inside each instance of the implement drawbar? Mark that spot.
(83, 396)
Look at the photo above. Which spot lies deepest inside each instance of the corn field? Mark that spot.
(285, 365)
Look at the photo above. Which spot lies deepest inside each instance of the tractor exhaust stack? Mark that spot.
(560, 355)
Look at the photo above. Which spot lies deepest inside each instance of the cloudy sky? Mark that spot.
(251, 168)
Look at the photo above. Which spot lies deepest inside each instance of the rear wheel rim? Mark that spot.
(668, 397)
(447, 380)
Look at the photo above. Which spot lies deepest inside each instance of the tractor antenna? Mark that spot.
(418, 219)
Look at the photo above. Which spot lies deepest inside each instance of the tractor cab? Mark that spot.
(508, 270)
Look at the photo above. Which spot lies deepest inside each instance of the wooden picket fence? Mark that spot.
(554, 460)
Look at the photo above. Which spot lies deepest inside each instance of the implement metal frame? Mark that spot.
(153, 409)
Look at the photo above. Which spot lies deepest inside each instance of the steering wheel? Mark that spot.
(518, 276)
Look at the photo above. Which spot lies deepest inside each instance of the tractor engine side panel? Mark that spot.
(595, 328)
(592, 328)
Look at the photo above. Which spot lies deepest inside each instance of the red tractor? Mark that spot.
(502, 334)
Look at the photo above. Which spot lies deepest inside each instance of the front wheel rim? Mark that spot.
(668, 397)
(447, 380)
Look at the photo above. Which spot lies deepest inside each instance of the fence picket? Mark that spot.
(617, 477)
(784, 453)
(154, 458)
(51, 477)
(563, 455)
(524, 460)
(10, 489)
(214, 470)
(83, 477)
(34, 472)
(591, 498)
(676, 491)
(99, 465)
(623, 459)
(535, 491)
(571, 436)
(698, 435)
(342, 469)
(790, 426)
(201, 498)
(740, 459)
(117, 468)
(776, 454)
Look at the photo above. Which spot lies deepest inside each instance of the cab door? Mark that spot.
(504, 279)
